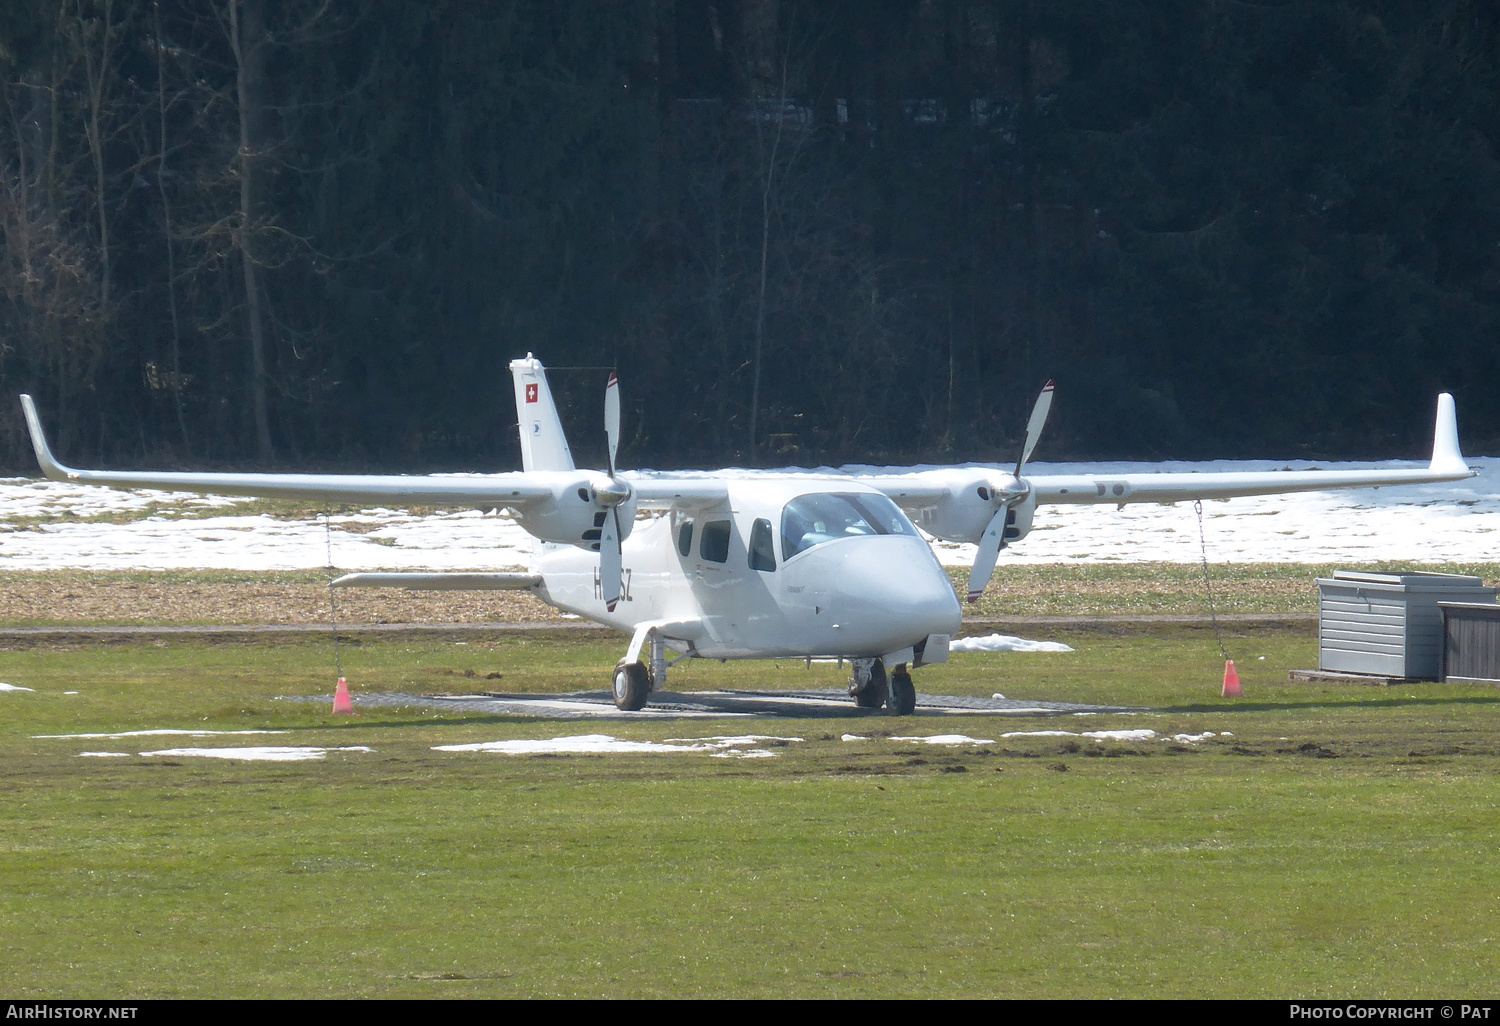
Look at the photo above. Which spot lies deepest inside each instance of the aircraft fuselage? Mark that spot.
(725, 570)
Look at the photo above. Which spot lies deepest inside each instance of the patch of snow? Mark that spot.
(29, 497)
(947, 739)
(1120, 735)
(1413, 524)
(104, 755)
(1005, 643)
(442, 541)
(853, 737)
(731, 739)
(13, 687)
(266, 754)
(595, 744)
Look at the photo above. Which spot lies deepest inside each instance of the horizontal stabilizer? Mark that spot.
(442, 582)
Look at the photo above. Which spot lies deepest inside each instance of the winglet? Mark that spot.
(1446, 457)
(53, 469)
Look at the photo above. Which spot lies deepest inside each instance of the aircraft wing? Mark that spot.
(1447, 464)
(1121, 488)
(926, 489)
(514, 490)
(664, 491)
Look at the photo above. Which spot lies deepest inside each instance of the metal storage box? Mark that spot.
(1388, 624)
(1471, 642)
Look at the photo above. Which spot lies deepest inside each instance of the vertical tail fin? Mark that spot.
(543, 445)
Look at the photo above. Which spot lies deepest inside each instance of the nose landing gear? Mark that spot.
(903, 700)
(868, 684)
(871, 687)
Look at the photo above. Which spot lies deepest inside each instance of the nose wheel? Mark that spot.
(903, 699)
(871, 687)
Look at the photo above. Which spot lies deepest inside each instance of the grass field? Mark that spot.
(1340, 843)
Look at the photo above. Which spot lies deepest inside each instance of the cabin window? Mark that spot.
(762, 554)
(810, 520)
(715, 544)
(685, 539)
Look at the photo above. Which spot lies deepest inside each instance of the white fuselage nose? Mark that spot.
(867, 596)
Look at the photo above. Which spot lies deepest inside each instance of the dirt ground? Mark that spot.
(76, 600)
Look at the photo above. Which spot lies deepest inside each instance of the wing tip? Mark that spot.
(50, 467)
(1447, 456)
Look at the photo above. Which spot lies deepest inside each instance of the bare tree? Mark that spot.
(247, 34)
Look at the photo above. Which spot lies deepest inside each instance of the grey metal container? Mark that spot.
(1471, 642)
(1388, 624)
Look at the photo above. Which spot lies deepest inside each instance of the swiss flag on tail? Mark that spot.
(531, 392)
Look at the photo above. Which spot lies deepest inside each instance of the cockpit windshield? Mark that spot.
(810, 520)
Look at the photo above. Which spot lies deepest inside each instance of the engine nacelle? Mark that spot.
(971, 503)
(1018, 520)
(574, 514)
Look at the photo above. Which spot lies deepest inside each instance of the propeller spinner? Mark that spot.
(993, 539)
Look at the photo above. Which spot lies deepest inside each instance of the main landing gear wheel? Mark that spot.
(903, 694)
(632, 685)
(873, 694)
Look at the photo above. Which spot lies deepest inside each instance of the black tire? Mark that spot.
(631, 686)
(875, 692)
(903, 700)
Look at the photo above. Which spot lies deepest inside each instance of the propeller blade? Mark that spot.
(612, 420)
(1034, 425)
(610, 559)
(990, 545)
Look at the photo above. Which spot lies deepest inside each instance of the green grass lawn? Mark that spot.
(1340, 843)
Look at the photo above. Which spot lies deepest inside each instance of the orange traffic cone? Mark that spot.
(1231, 681)
(341, 703)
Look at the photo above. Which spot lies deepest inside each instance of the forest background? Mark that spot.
(313, 233)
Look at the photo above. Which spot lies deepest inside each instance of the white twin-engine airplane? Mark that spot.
(752, 568)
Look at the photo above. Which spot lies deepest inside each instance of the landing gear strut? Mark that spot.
(868, 684)
(643, 670)
(871, 687)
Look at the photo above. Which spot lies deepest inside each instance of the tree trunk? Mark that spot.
(248, 37)
(166, 217)
(99, 67)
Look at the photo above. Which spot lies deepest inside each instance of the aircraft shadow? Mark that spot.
(671, 705)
